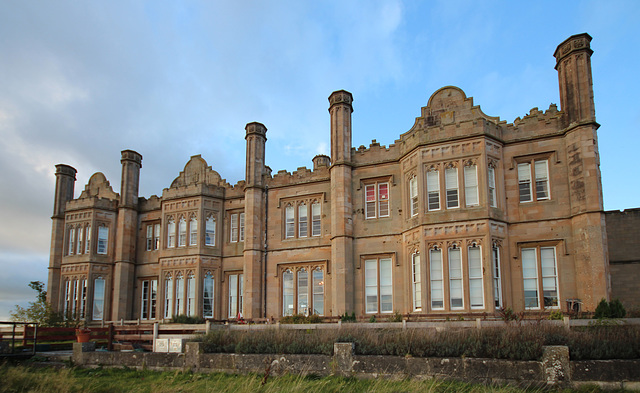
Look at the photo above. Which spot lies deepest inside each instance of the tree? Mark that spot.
(39, 311)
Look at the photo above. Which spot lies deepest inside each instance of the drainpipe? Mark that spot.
(266, 249)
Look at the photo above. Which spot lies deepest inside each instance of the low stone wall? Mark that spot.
(555, 369)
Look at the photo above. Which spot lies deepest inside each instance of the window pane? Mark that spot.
(530, 277)
(435, 273)
(179, 294)
(287, 293)
(233, 296)
(207, 296)
(455, 278)
(433, 190)
(386, 286)
(524, 182)
(98, 299)
(302, 220)
(451, 183)
(193, 231)
(168, 296)
(492, 186)
(471, 185)
(371, 285)
(317, 224)
(234, 228)
(87, 246)
(182, 232)
(303, 291)
(289, 222)
(497, 283)
(476, 294)
(241, 234)
(191, 295)
(383, 204)
(103, 240)
(416, 282)
(210, 232)
(318, 292)
(171, 233)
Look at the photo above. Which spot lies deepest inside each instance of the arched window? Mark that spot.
(436, 279)
(179, 294)
(318, 291)
(98, 299)
(182, 232)
(168, 295)
(193, 231)
(416, 281)
(207, 296)
(303, 291)
(191, 294)
(303, 224)
(287, 292)
(171, 233)
(210, 231)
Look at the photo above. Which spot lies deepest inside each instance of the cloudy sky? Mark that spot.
(81, 81)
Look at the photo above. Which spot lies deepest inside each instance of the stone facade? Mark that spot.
(623, 233)
(463, 214)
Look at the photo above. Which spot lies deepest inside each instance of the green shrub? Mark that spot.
(617, 309)
(186, 319)
(556, 315)
(397, 317)
(613, 309)
(300, 319)
(602, 310)
(348, 318)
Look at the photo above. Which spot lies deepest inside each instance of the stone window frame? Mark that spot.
(294, 203)
(556, 245)
(531, 160)
(153, 228)
(74, 303)
(444, 247)
(213, 215)
(99, 226)
(492, 192)
(468, 163)
(377, 202)
(497, 279)
(416, 278)
(149, 309)
(295, 268)
(236, 232)
(414, 193)
(212, 274)
(377, 257)
(238, 292)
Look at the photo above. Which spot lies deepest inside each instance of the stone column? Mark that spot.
(342, 270)
(573, 63)
(126, 237)
(65, 183)
(254, 216)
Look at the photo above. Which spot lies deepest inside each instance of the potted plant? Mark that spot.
(83, 333)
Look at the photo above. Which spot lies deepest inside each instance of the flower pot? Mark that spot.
(83, 335)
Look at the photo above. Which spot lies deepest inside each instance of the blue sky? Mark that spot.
(81, 81)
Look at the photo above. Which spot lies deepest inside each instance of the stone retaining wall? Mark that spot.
(555, 369)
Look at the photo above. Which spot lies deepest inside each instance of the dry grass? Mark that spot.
(25, 379)
(514, 342)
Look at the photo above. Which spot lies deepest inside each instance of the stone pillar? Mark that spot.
(573, 63)
(254, 216)
(126, 236)
(65, 183)
(589, 245)
(343, 359)
(342, 270)
(556, 365)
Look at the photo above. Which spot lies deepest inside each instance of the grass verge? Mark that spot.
(74, 380)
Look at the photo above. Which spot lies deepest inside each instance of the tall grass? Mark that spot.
(24, 379)
(514, 342)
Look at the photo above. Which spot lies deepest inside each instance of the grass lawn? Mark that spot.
(27, 379)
